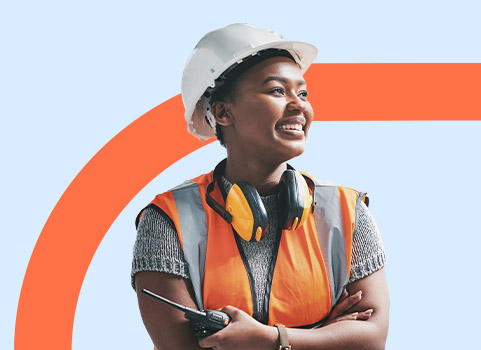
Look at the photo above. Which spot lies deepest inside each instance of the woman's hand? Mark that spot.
(340, 312)
(243, 332)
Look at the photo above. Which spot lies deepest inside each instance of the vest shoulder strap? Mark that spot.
(336, 211)
(183, 204)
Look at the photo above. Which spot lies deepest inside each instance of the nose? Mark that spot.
(296, 103)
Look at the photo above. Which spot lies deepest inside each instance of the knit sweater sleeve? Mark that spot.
(157, 247)
(368, 254)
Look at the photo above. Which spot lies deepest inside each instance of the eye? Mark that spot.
(303, 94)
(278, 90)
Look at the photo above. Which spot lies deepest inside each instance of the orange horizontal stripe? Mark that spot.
(395, 91)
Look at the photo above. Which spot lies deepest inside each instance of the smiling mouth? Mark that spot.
(297, 127)
(291, 131)
(292, 126)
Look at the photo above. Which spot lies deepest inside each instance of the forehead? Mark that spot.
(274, 66)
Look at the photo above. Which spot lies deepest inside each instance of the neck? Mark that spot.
(263, 176)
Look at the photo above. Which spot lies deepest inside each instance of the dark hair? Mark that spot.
(225, 84)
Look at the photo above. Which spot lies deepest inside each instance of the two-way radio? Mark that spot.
(204, 322)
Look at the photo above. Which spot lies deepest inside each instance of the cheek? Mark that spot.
(309, 114)
(309, 111)
(270, 111)
(260, 115)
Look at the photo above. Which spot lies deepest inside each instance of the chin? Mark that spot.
(297, 154)
(293, 152)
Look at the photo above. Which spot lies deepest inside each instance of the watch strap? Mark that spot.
(283, 340)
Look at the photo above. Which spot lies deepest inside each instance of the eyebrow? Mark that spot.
(282, 80)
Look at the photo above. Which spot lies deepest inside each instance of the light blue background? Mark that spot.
(72, 75)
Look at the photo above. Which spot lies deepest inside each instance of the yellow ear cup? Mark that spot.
(238, 207)
(243, 210)
(249, 217)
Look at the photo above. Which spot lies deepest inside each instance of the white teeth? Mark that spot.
(290, 127)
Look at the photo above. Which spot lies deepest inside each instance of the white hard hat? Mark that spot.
(217, 51)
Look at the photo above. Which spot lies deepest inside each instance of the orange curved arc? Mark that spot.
(124, 166)
(83, 215)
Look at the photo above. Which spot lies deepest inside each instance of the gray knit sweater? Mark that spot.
(157, 247)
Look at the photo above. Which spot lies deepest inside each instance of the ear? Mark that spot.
(220, 111)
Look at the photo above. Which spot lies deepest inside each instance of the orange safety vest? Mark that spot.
(309, 270)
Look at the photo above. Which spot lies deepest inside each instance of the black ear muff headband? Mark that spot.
(245, 211)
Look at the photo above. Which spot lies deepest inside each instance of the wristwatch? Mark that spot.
(284, 342)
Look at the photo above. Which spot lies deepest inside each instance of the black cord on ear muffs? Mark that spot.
(245, 211)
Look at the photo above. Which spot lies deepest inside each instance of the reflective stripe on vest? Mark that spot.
(327, 256)
(333, 242)
(193, 227)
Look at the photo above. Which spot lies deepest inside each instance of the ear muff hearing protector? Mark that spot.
(245, 211)
(295, 199)
(249, 217)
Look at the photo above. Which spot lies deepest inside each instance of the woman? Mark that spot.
(255, 238)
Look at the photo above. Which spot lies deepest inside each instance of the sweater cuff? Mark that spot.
(173, 266)
(368, 267)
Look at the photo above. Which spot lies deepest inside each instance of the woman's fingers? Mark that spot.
(344, 295)
(345, 304)
(365, 315)
(360, 316)
(347, 317)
